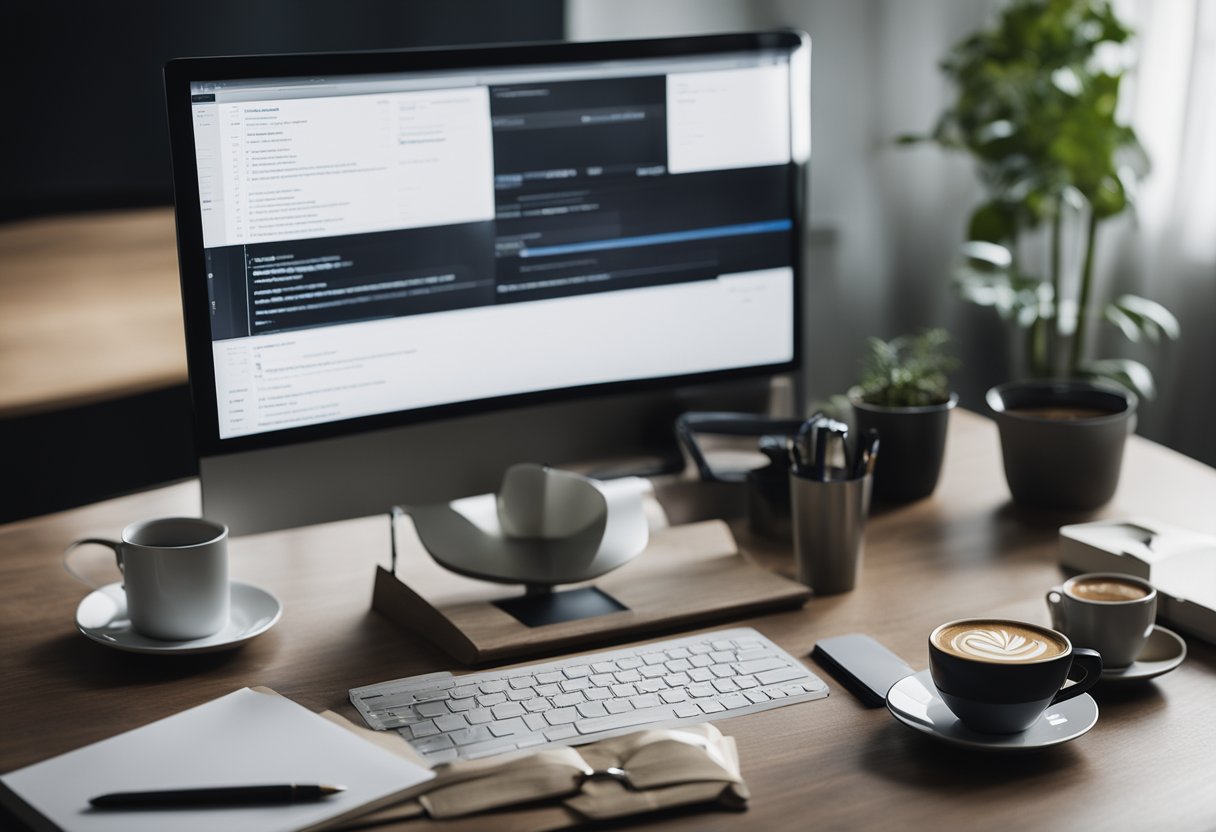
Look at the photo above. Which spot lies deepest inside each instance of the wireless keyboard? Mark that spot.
(714, 675)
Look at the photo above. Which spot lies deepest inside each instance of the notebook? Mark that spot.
(250, 736)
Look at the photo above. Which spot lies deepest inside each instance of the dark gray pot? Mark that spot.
(1056, 463)
(912, 443)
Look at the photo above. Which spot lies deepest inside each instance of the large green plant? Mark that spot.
(1036, 110)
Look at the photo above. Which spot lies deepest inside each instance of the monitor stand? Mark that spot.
(541, 606)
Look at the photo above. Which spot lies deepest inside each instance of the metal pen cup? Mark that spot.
(829, 518)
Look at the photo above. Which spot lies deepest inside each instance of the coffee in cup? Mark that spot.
(998, 676)
(1106, 611)
(175, 576)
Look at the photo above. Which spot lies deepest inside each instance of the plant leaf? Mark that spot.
(1150, 310)
(1131, 374)
(1125, 322)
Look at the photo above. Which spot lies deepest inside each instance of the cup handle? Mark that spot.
(99, 541)
(1091, 662)
(1055, 606)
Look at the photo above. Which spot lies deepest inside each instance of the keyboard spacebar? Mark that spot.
(628, 719)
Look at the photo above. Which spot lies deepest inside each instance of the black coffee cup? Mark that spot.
(998, 676)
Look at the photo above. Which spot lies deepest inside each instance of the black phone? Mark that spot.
(862, 665)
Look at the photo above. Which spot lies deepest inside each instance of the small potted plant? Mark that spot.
(1036, 111)
(904, 394)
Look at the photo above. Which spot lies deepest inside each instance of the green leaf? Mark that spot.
(1129, 326)
(985, 253)
(1131, 374)
(1151, 311)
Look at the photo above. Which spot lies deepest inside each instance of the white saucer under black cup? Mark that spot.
(102, 616)
(1164, 651)
(914, 701)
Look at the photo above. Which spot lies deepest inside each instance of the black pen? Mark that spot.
(221, 796)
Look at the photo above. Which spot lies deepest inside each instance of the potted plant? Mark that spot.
(904, 394)
(1036, 111)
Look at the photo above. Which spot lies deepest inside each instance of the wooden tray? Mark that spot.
(688, 575)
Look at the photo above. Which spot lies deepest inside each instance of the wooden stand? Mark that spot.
(688, 575)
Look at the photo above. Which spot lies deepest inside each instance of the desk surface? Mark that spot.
(90, 309)
(830, 764)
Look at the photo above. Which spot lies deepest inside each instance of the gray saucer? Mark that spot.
(1164, 651)
(914, 701)
(102, 616)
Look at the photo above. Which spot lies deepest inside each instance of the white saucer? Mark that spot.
(1164, 651)
(914, 701)
(102, 616)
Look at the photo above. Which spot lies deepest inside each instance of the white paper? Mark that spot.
(244, 738)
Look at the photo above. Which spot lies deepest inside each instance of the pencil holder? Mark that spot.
(829, 529)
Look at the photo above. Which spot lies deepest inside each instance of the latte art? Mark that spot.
(998, 645)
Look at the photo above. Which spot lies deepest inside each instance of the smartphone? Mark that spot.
(862, 665)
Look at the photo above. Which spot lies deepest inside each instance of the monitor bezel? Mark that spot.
(180, 73)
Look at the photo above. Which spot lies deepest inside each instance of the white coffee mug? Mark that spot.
(174, 573)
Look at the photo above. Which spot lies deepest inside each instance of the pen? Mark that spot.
(220, 796)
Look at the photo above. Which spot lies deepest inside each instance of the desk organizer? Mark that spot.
(1180, 563)
(687, 576)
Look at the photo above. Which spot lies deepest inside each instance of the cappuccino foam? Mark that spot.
(999, 641)
(1106, 589)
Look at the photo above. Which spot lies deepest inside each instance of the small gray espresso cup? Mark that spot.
(175, 575)
(1106, 611)
(999, 676)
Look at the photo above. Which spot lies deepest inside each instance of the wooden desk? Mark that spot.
(90, 309)
(1149, 762)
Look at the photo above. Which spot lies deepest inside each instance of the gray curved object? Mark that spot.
(469, 536)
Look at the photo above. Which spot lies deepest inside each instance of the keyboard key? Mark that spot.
(577, 672)
(478, 716)
(507, 710)
(625, 676)
(537, 705)
(508, 727)
(751, 654)
(561, 732)
(603, 667)
(776, 693)
(431, 695)
(700, 674)
(432, 709)
(550, 678)
(650, 659)
(700, 689)
(671, 697)
(676, 680)
(617, 706)
(451, 722)
(598, 694)
(561, 716)
(575, 684)
(679, 653)
(494, 686)
(535, 721)
(462, 704)
(518, 682)
(701, 660)
(651, 685)
(733, 700)
(423, 729)
(464, 691)
(465, 736)
(699, 648)
(676, 665)
(745, 682)
(645, 700)
(710, 706)
(722, 656)
(548, 690)
(588, 709)
(489, 700)
(721, 644)
(687, 711)
(628, 719)
(565, 700)
(722, 671)
(520, 694)
(629, 662)
(725, 685)
(653, 671)
(435, 743)
(759, 665)
(756, 696)
(603, 680)
(622, 691)
(784, 674)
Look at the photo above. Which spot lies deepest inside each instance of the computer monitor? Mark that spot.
(403, 271)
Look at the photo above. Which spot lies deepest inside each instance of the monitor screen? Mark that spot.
(369, 240)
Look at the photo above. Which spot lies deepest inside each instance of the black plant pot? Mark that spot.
(1063, 440)
(912, 443)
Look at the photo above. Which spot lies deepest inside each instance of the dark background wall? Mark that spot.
(84, 115)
